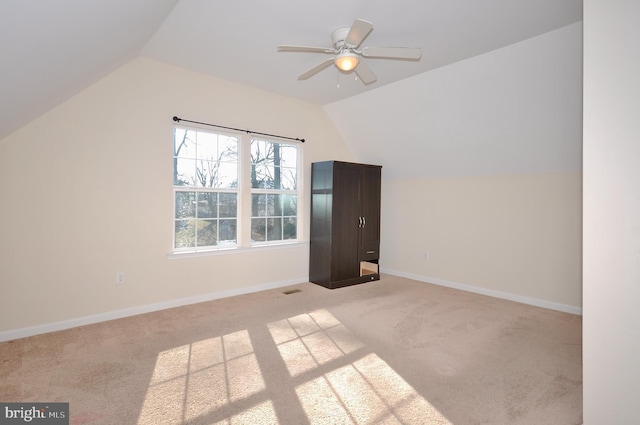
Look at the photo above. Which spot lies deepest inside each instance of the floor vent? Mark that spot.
(293, 291)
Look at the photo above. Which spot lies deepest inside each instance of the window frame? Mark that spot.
(203, 189)
(244, 193)
(281, 193)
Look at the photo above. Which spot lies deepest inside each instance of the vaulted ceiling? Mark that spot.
(51, 50)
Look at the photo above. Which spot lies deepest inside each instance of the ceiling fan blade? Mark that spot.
(365, 73)
(313, 71)
(413, 53)
(306, 49)
(358, 32)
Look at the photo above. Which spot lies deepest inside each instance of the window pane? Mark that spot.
(204, 159)
(178, 136)
(288, 156)
(259, 151)
(185, 204)
(185, 233)
(274, 229)
(289, 205)
(228, 205)
(207, 205)
(207, 146)
(289, 228)
(262, 176)
(275, 157)
(273, 165)
(288, 179)
(228, 148)
(274, 205)
(227, 175)
(266, 157)
(207, 232)
(258, 205)
(277, 178)
(184, 172)
(205, 173)
(258, 231)
(228, 232)
(184, 145)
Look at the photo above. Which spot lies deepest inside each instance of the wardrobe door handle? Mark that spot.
(364, 221)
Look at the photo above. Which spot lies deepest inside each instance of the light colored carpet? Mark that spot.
(393, 351)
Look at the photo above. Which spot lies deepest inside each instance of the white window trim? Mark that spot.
(178, 255)
(243, 244)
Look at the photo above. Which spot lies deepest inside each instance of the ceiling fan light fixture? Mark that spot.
(346, 61)
(347, 52)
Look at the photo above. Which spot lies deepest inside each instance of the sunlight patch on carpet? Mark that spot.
(364, 391)
(199, 379)
(332, 378)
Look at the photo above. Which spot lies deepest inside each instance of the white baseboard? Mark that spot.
(127, 312)
(490, 292)
(132, 311)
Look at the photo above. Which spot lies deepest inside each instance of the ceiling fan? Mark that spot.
(347, 55)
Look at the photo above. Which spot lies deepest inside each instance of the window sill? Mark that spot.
(177, 255)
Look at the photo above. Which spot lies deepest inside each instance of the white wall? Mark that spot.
(87, 192)
(611, 211)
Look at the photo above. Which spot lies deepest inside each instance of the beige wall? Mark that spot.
(511, 235)
(86, 192)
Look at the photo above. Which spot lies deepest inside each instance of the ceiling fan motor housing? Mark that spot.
(338, 36)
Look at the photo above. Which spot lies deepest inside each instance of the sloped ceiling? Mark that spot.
(513, 110)
(51, 50)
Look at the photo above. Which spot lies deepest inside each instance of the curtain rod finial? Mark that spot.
(176, 119)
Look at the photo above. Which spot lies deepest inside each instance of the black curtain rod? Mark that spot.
(176, 119)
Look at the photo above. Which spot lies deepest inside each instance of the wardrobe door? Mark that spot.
(369, 244)
(321, 222)
(346, 219)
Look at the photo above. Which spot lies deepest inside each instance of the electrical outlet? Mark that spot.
(120, 278)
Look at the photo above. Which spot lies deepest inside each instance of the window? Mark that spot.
(205, 180)
(274, 197)
(232, 191)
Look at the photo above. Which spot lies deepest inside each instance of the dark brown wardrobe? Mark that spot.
(345, 223)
